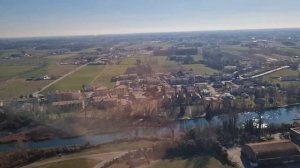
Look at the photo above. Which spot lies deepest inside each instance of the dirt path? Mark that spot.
(101, 157)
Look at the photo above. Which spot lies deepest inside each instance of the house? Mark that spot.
(121, 90)
(68, 105)
(205, 92)
(271, 153)
(139, 97)
(191, 90)
(217, 85)
(170, 91)
(63, 96)
(101, 91)
(295, 135)
(105, 101)
(230, 68)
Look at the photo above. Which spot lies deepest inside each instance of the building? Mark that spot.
(101, 91)
(271, 153)
(295, 135)
(230, 68)
(121, 90)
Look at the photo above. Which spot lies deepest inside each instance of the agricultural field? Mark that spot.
(14, 72)
(200, 69)
(7, 72)
(16, 87)
(297, 51)
(104, 77)
(234, 49)
(89, 163)
(75, 81)
(273, 77)
(82, 163)
(198, 57)
(194, 162)
(158, 63)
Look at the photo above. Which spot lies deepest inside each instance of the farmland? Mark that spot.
(77, 79)
(273, 77)
(194, 162)
(200, 69)
(83, 163)
(14, 72)
(104, 77)
(101, 75)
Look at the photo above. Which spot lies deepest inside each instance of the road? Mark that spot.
(268, 72)
(59, 79)
(103, 158)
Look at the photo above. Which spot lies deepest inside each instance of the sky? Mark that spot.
(31, 18)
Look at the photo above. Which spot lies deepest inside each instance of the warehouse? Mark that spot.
(271, 153)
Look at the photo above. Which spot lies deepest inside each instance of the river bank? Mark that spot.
(282, 115)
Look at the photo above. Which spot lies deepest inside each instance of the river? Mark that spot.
(274, 116)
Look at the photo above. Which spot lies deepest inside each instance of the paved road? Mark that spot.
(268, 72)
(59, 79)
(103, 157)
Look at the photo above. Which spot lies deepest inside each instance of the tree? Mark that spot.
(259, 106)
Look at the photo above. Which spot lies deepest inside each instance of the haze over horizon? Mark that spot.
(33, 18)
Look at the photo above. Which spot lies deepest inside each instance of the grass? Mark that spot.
(59, 70)
(75, 81)
(123, 146)
(194, 162)
(158, 63)
(297, 52)
(161, 64)
(200, 69)
(198, 57)
(12, 71)
(104, 77)
(111, 147)
(273, 77)
(234, 49)
(13, 88)
(82, 163)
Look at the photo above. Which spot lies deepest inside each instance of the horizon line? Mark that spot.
(153, 32)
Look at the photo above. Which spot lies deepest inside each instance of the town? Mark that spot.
(182, 94)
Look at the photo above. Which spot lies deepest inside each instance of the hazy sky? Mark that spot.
(20, 18)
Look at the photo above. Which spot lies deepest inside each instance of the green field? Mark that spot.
(110, 147)
(14, 72)
(273, 77)
(198, 57)
(297, 51)
(200, 69)
(193, 162)
(234, 49)
(104, 77)
(13, 88)
(75, 81)
(158, 63)
(82, 163)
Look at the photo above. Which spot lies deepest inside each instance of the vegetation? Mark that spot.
(274, 77)
(82, 163)
(200, 69)
(193, 162)
(75, 81)
(104, 77)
